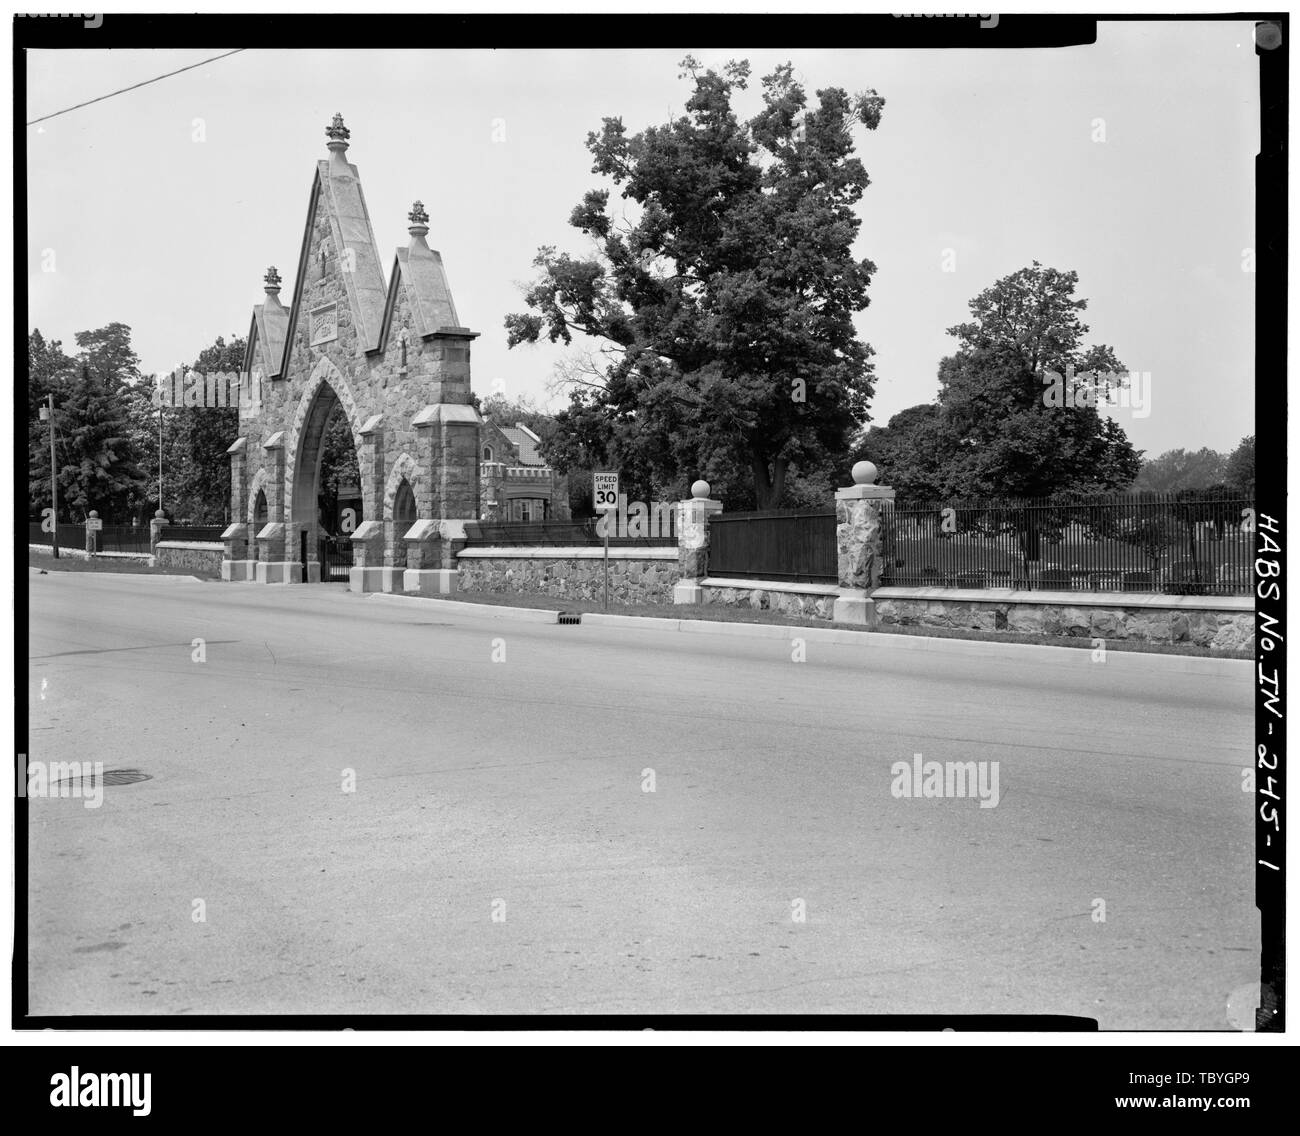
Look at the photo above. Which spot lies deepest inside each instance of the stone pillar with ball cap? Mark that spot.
(693, 543)
(859, 532)
(157, 530)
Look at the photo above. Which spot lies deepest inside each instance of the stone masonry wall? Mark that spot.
(762, 599)
(194, 556)
(630, 581)
(1229, 632)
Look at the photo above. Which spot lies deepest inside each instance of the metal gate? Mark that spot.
(335, 559)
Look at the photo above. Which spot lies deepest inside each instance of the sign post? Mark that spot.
(604, 496)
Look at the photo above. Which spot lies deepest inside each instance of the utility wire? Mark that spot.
(136, 86)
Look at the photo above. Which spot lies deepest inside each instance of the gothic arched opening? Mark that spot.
(327, 497)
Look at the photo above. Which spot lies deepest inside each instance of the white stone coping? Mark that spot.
(566, 552)
(422, 530)
(446, 412)
(236, 529)
(1068, 599)
(368, 530)
(772, 586)
(199, 545)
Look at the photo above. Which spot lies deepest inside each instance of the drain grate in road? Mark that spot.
(111, 777)
(570, 617)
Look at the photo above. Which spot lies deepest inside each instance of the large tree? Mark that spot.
(196, 486)
(1181, 469)
(49, 371)
(1240, 471)
(909, 451)
(98, 466)
(724, 303)
(995, 432)
(95, 442)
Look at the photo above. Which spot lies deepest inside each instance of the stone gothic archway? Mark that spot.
(388, 354)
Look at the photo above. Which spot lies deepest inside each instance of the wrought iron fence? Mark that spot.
(124, 538)
(1179, 544)
(120, 538)
(193, 532)
(554, 533)
(70, 535)
(795, 545)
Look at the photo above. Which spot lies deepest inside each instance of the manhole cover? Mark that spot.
(111, 777)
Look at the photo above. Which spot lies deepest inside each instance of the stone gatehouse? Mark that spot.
(392, 359)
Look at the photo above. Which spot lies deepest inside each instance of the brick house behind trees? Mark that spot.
(515, 482)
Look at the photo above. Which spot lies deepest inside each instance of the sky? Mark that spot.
(1130, 161)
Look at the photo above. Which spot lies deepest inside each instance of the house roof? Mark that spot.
(526, 442)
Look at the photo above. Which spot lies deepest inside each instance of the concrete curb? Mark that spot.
(871, 640)
(526, 614)
(169, 577)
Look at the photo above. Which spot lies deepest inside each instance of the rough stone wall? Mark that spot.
(630, 581)
(193, 557)
(761, 599)
(1229, 632)
(857, 536)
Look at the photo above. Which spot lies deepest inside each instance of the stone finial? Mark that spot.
(272, 279)
(865, 473)
(700, 490)
(337, 133)
(417, 215)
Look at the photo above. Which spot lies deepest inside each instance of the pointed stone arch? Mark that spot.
(404, 468)
(322, 374)
(261, 479)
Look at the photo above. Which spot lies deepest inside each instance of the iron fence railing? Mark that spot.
(556, 534)
(120, 538)
(193, 532)
(70, 535)
(1179, 544)
(794, 545)
(124, 538)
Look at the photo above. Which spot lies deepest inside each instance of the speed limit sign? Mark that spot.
(604, 491)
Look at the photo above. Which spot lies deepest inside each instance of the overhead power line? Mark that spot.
(136, 86)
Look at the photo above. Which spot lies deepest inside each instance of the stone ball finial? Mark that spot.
(272, 279)
(865, 473)
(418, 217)
(337, 133)
(94, 512)
(700, 490)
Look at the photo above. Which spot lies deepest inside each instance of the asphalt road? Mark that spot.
(500, 852)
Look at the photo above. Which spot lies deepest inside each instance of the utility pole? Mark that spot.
(47, 412)
(160, 459)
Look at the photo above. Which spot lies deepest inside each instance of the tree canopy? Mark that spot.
(1182, 469)
(992, 433)
(724, 303)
